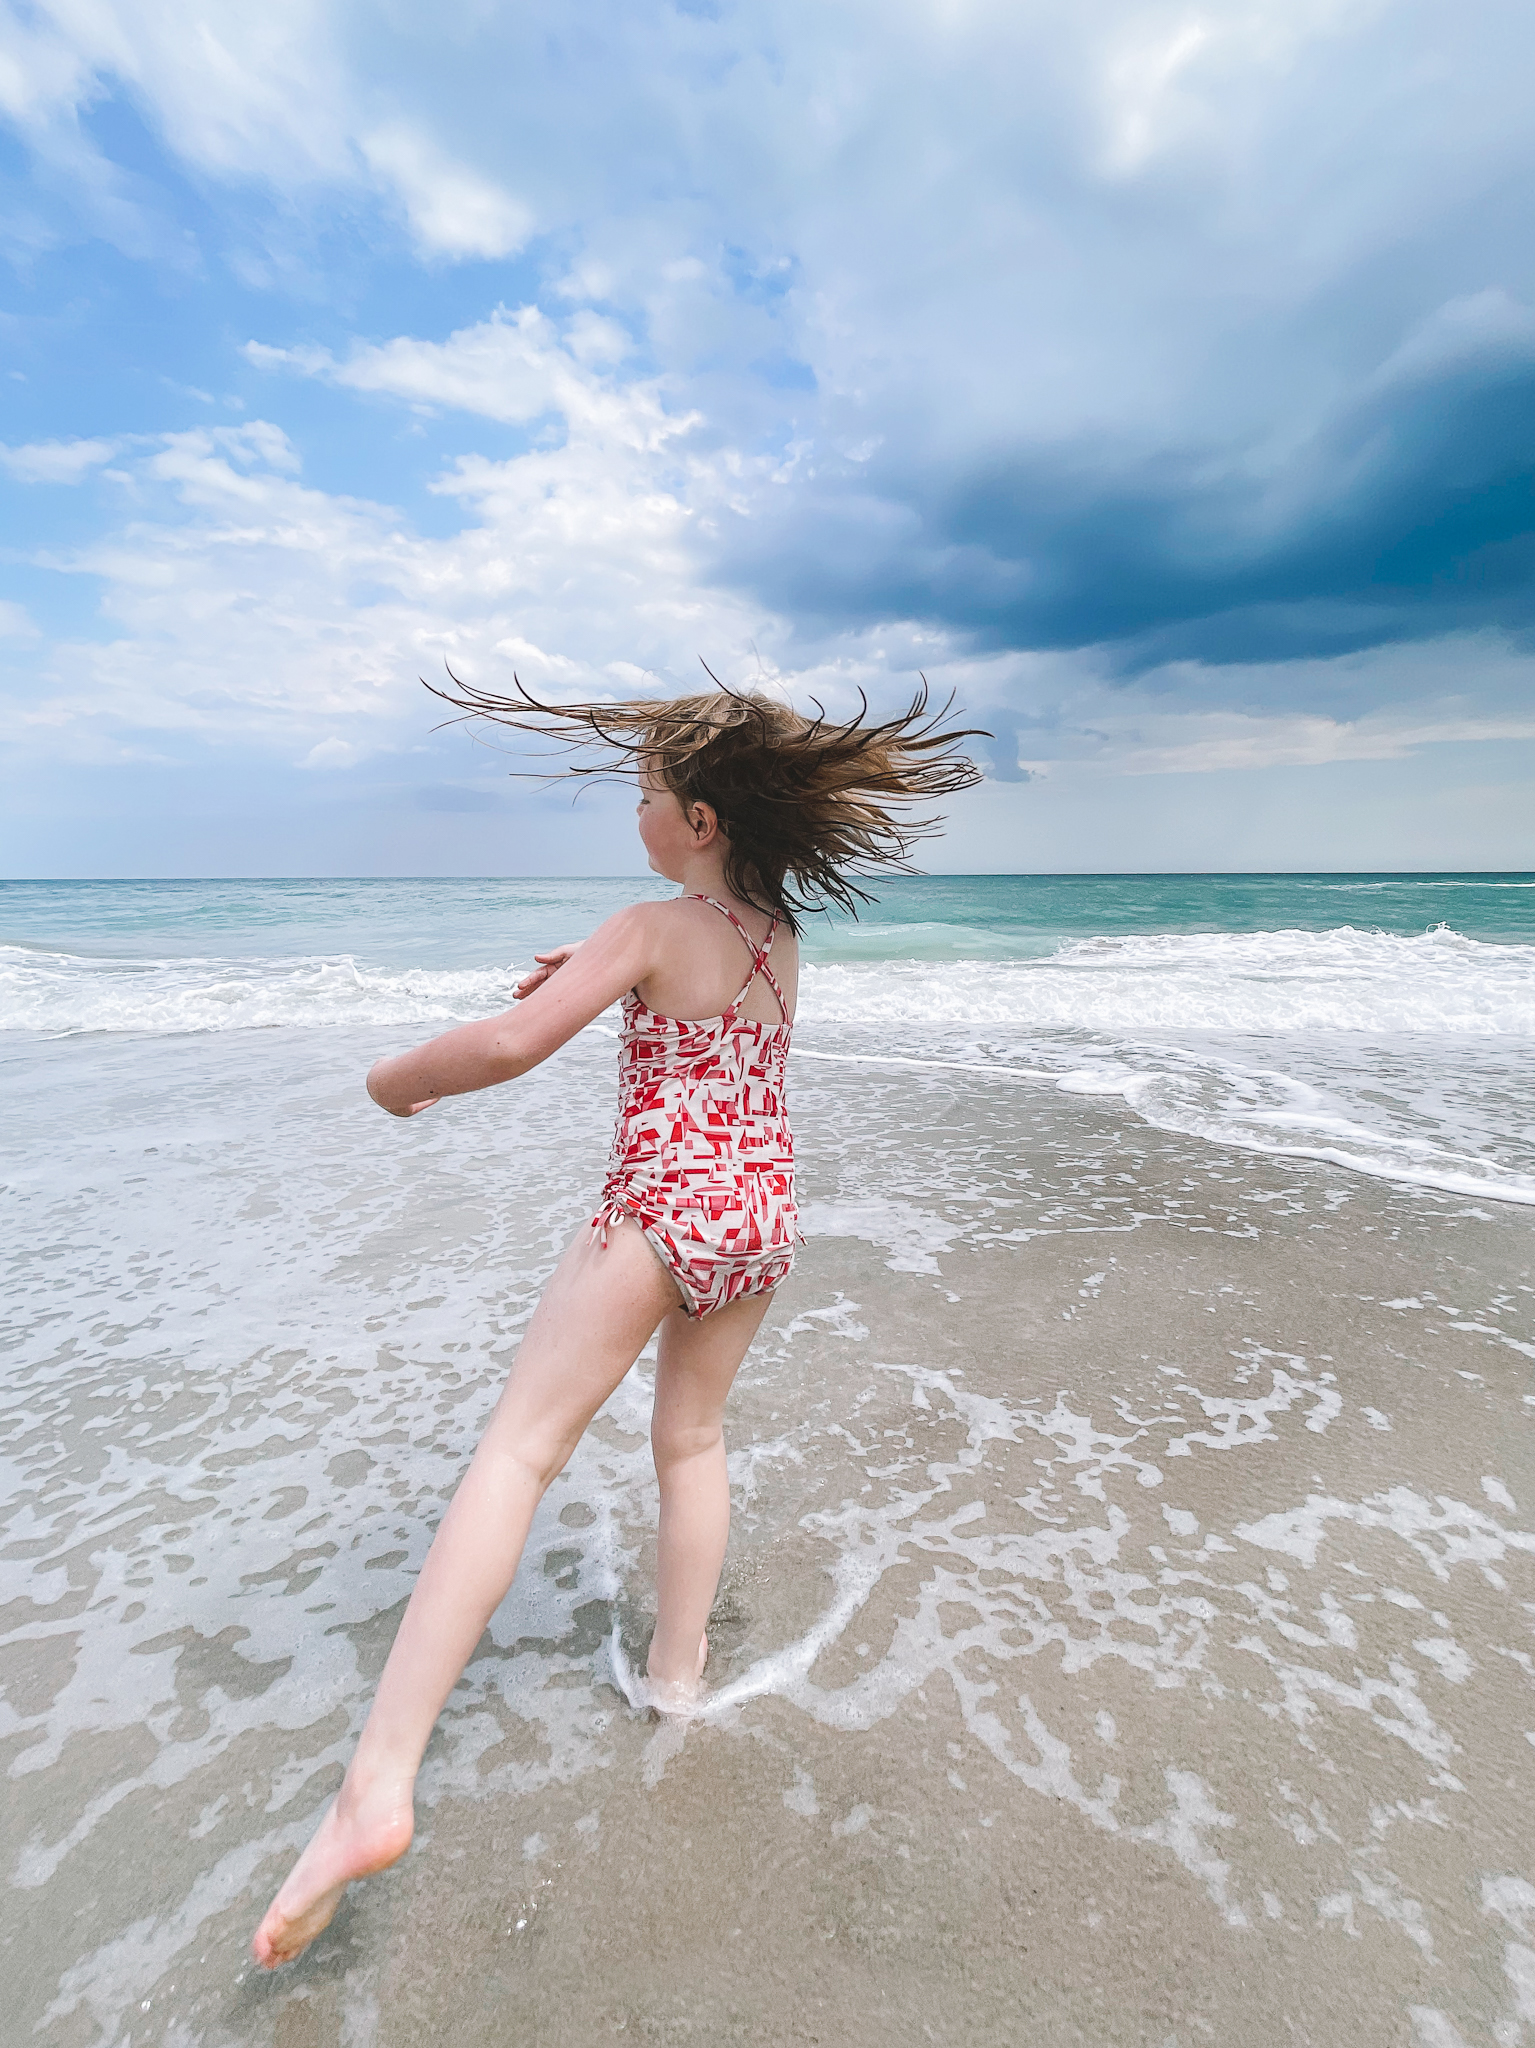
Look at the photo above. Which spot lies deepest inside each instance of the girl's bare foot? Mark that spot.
(364, 1831)
(679, 1695)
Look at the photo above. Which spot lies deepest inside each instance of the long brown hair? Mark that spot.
(803, 803)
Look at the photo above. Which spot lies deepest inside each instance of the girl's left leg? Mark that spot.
(696, 1363)
(597, 1314)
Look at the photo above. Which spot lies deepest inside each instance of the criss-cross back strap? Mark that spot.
(759, 959)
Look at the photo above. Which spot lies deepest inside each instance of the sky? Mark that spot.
(1157, 378)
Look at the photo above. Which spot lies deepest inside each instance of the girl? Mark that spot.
(757, 813)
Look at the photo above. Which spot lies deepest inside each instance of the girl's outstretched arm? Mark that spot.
(593, 976)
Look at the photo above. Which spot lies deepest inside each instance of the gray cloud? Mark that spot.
(1406, 513)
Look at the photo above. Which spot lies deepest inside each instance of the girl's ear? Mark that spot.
(703, 823)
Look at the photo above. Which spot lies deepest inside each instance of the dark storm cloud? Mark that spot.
(1408, 513)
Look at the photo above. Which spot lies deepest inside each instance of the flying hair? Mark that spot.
(805, 804)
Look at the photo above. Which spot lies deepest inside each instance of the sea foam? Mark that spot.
(1269, 983)
(1388, 1055)
(60, 994)
(1281, 982)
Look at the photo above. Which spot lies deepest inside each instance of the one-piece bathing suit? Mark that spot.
(702, 1156)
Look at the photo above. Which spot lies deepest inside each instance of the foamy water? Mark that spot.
(259, 1327)
(1406, 1055)
(61, 994)
(1280, 984)
(1285, 983)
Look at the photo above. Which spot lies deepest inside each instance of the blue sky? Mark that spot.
(1158, 377)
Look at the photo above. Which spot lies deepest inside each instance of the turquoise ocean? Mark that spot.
(1385, 1023)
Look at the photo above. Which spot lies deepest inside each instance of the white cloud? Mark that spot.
(238, 93)
(55, 462)
(223, 465)
(453, 211)
(1217, 742)
(234, 90)
(41, 69)
(233, 584)
(592, 340)
(1065, 711)
(228, 591)
(263, 93)
(515, 367)
(333, 753)
(1186, 76)
(16, 622)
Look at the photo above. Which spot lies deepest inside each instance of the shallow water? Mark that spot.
(1116, 1501)
(1180, 1495)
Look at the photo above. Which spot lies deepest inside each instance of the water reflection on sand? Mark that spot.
(1146, 1524)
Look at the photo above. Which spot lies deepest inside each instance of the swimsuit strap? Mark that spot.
(759, 960)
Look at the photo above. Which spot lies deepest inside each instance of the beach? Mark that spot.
(1125, 1635)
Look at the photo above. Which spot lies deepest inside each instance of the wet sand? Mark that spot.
(1126, 1635)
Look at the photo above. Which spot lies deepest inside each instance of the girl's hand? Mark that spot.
(547, 964)
(494, 1049)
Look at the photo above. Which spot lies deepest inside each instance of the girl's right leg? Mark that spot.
(597, 1314)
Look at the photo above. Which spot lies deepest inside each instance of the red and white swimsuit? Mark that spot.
(702, 1156)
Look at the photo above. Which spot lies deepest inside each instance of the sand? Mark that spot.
(1126, 1638)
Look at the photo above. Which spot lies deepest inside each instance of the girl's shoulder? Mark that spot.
(731, 918)
(716, 926)
(661, 924)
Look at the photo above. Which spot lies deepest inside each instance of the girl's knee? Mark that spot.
(673, 1442)
(531, 1460)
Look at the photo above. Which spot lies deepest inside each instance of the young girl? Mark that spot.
(756, 813)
